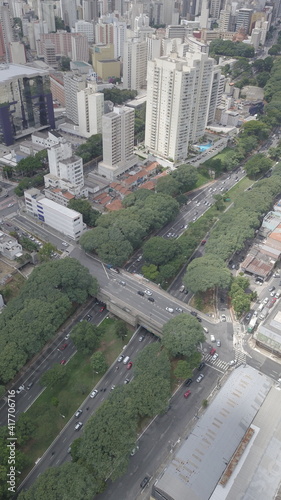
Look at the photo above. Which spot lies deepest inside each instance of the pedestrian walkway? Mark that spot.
(219, 363)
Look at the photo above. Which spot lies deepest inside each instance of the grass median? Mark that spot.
(57, 404)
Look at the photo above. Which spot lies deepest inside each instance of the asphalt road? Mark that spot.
(58, 451)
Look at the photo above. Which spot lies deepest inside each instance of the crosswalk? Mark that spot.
(240, 355)
(219, 363)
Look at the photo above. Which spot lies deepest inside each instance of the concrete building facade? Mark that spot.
(73, 83)
(134, 64)
(90, 110)
(118, 142)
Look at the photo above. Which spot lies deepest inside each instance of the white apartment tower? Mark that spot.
(86, 28)
(119, 38)
(134, 64)
(64, 165)
(178, 98)
(72, 84)
(90, 110)
(117, 142)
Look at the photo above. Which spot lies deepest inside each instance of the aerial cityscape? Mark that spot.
(140, 248)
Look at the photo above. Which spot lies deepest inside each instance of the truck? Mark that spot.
(252, 324)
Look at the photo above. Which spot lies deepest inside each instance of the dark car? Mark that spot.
(140, 293)
(29, 385)
(194, 313)
(151, 299)
(199, 319)
(144, 482)
(188, 381)
(201, 366)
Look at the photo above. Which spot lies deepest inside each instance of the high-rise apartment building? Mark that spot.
(68, 12)
(86, 28)
(216, 93)
(90, 110)
(134, 64)
(64, 165)
(72, 85)
(6, 29)
(47, 13)
(79, 47)
(104, 33)
(117, 142)
(178, 97)
(215, 7)
(119, 38)
(90, 10)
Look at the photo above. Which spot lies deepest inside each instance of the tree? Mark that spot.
(186, 176)
(45, 253)
(182, 370)
(109, 437)
(90, 149)
(151, 386)
(150, 272)
(205, 273)
(86, 337)
(121, 330)
(182, 335)
(262, 79)
(159, 251)
(219, 203)
(118, 96)
(84, 207)
(53, 376)
(70, 480)
(256, 128)
(99, 363)
(25, 428)
(168, 185)
(64, 63)
(257, 164)
(109, 244)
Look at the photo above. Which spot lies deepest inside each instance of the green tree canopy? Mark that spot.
(182, 335)
(257, 165)
(53, 376)
(159, 251)
(70, 480)
(86, 337)
(205, 273)
(99, 363)
(90, 149)
(84, 207)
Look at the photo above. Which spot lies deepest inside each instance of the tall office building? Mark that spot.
(68, 12)
(90, 10)
(72, 84)
(90, 110)
(134, 64)
(26, 102)
(6, 29)
(79, 47)
(216, 93)
(215, 7)
(47, 13)
(244, 19)
(117, 142)
(178, 97)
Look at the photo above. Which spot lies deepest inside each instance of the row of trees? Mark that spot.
(272, 94)
(180, 181)
(90, 149)
(43, 304)
(231, 49)
(103, 450)
(117, 234)
(236, 226)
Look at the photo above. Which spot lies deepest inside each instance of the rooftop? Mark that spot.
(200, 462)
(67, 212)
(10, 71)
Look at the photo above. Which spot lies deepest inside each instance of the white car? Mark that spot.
(78, 426)
(10, 205)
(223, 317)
(148, 292)
(78, 413)
(94, 393)
(67, 336)
(179, 309)
(232, 362)
(20, 389)
(215, 356)
(65, 244)
(169, 309)
(265, 301)
(201, 376)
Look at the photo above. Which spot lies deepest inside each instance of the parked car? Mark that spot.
(188, 382)
(201, 376)
(201, 366)
(181, 289)
(271, 289)
(186, 394)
